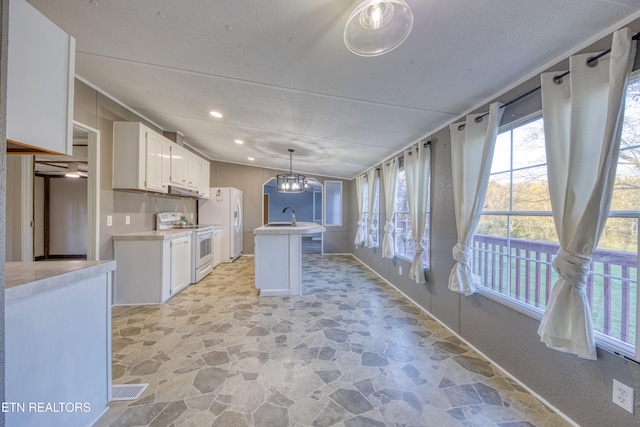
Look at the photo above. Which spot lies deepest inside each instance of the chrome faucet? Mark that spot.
(293, 214)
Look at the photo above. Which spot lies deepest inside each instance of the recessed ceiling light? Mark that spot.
(239, 141)
(250, 158)
(216, 114)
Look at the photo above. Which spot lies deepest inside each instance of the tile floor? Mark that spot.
(351, 352)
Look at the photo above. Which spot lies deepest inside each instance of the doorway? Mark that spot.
(66, 200)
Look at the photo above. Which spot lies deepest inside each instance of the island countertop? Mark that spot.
(300, 228)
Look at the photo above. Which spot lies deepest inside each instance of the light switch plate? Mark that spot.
(127, 219)
(400, 270)
(109, 220)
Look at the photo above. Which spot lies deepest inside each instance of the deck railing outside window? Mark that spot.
(522, 270)
(404, 240)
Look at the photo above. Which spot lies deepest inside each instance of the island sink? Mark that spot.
(278, 257)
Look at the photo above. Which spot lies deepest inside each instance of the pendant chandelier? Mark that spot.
(376, 27)
(291, 182)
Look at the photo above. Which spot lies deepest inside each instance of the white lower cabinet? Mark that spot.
(151, 268)
(217, 247)
(180, 264)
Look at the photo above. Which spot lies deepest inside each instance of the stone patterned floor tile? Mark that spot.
(350, 351)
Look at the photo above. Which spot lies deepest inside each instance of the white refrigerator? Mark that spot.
(224, 207)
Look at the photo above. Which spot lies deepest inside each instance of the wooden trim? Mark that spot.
(16, 147)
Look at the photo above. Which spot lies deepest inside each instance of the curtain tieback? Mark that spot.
(462, 254)
(388, 227)
(359, 223)
(419, 248)
(572, 268)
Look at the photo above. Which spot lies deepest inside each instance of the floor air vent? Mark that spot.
(127, 391)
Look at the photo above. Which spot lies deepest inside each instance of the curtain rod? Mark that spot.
(426, 144)
(556, 79)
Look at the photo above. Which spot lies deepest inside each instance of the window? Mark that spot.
(516, 240)
(333, 203)
(402, 224)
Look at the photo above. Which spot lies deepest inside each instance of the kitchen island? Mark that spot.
(57, 341)
(278, 257)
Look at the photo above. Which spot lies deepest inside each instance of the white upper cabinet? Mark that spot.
(205, 174)
(158, 152)
(140, 158)
(193, 172)
(146, 160)
(40, 76)
(179, 176)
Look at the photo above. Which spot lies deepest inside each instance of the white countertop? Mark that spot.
(160, 234)
(300, 228)
(25, 279)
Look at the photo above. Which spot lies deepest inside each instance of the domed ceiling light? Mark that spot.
(290, 182)
(376, 27)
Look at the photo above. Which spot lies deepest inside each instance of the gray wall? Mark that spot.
(67, 216)
(581, 389)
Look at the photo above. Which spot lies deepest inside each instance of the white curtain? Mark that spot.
(417, 166)
(583, 118)
(471, 155)
(389, 177)
(372, 183)
(361, 182)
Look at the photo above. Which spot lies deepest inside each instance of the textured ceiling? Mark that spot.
(281, 76)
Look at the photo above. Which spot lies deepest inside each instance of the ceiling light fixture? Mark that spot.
(251, 159)
(216, 114)
(376, 27)
(238, 141)
(290, 182)
(73, 171)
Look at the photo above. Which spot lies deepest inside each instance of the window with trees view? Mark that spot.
(516, 240)
(402, 224)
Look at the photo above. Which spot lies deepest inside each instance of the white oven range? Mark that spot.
(202, 238)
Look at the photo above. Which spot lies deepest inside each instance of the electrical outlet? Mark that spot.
(109, 220)
(400, 270)
(623, 396)
(127, 219)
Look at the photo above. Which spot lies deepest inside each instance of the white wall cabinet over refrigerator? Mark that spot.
(40, 79)
(140, 158)
(153, 266)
